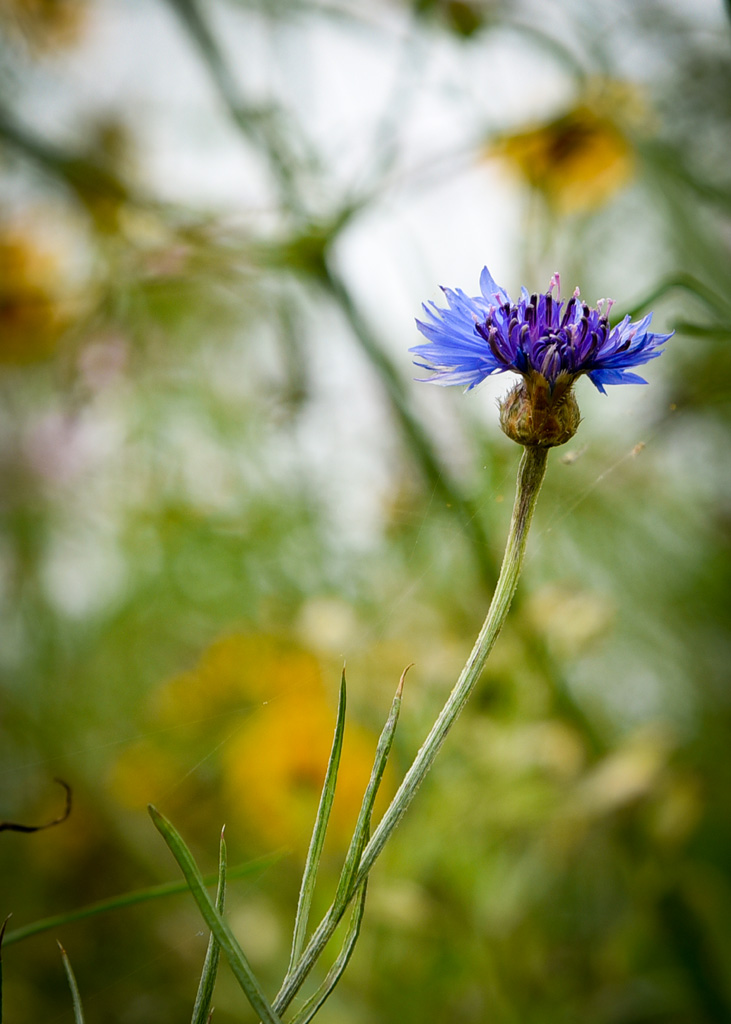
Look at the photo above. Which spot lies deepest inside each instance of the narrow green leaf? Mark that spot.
(297, 973)
(129, 899)
(309, 876)
(229, 944)
(2, 936)
(361, 832)
(78, 1012)
(311, 1007)
(202, 1006)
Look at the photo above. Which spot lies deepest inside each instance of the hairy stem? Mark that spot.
(530, 477)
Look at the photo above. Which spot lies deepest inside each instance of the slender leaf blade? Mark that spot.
(202, 1005)
(362, 827)
(78, 1011)
(309, 876)
(3, 926)
(129, 899)
(311, 1007)
(229, 944)
(297, 973)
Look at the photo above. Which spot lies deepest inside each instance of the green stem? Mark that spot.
(530, 477)
(450, 493)
(129, 899)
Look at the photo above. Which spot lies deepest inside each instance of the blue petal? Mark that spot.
(491, 290)
(611, 376)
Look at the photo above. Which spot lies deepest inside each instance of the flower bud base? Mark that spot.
(534, 413)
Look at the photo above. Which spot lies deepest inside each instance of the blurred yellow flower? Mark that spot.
(45, 24)
(275, 767)
(144, 773)
(32, 312)
(239, 669)
(580, 159)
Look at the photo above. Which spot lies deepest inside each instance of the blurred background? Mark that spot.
(219, 480)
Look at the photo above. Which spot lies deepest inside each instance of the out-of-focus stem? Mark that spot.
(436, 474)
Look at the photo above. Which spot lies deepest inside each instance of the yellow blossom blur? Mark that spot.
(239, 669)
(144, 773)
(32, 313)
(579, 160)
(273, 765)
(45, 24)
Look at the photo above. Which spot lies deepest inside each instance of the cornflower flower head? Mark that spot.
(548, 341)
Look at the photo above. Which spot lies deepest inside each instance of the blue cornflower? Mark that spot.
(548, 341)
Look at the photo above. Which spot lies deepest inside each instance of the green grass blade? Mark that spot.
(129, 899)
(311, 1007)
(229, 944)
(78, 1012)
(2, 936)
(204, 995)
(361, 832)
(309, 876)
(297, 974)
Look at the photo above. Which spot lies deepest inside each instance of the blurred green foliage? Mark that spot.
(218, 480)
